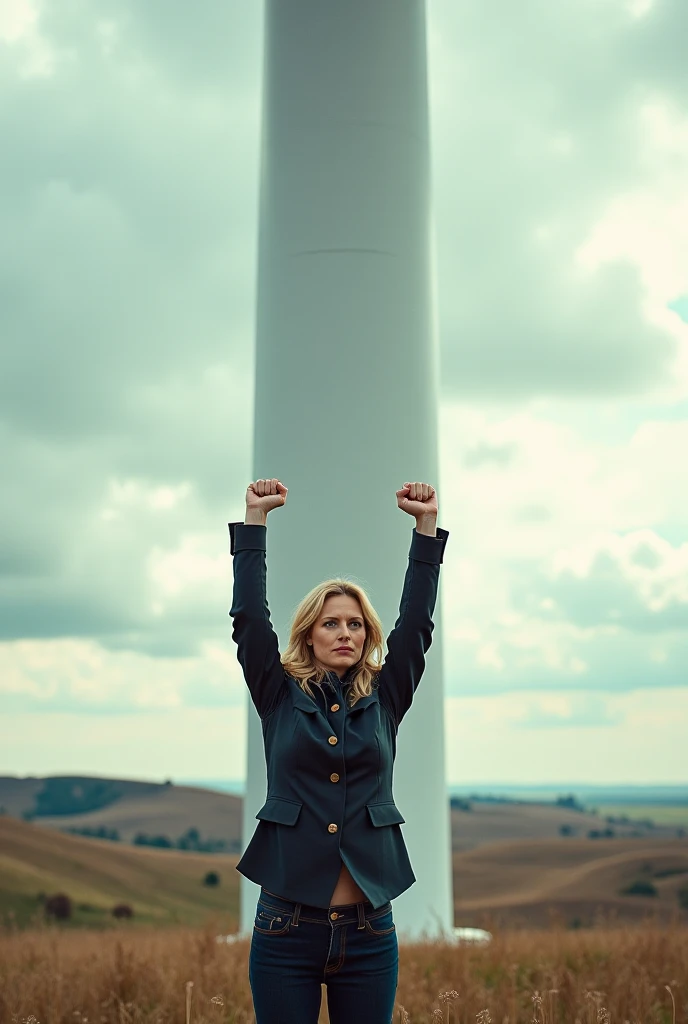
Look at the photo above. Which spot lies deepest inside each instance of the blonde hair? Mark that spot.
(298, 660)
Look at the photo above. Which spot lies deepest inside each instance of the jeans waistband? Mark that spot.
(339, 913)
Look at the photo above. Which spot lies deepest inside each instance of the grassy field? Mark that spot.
(163, 886)
(528, 883)
(168, 976)
(661, 814)
(554, 969)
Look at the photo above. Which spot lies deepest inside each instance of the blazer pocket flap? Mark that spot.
(385, 813)
(281, 810)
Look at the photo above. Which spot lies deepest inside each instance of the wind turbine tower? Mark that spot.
(346, 359)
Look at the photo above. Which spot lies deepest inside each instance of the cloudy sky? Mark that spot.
(128, 213)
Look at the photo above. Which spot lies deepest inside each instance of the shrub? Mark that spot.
(58, 906)
(683, 897)
(212, 878)
(641, 887)
(141, 839)
(122, 910)
(457, 803)
(569, 801)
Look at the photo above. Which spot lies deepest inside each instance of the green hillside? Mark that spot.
(161, 886)
(661, 814)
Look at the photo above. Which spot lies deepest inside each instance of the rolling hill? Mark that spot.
(170, 810)
(125, 805)
(162, 886)
(504, 884)
(574, 880)
(495, 822)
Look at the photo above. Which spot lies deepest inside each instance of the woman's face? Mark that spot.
(338, 634)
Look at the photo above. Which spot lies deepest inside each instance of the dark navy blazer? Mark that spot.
(329, 766)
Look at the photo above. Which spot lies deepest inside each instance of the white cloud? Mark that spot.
(179, 743)
(129, 196)
(17, 19)
(531, 737)
(531, 159)
(574, 593)
(79, 676)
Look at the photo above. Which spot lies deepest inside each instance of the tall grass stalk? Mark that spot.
(596, 976)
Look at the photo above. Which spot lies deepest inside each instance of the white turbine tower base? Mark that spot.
(346, 362)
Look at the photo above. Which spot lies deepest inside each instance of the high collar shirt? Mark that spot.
(329, 763)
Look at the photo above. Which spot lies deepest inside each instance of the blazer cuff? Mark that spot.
(243, 537)
(428, 549)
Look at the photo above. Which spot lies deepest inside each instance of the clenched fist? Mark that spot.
(418, 499)
(264, 495)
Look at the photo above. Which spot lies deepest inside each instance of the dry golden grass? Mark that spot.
(596, 976)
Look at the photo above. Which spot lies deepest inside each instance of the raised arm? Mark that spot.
(411, 637)
(257, 647)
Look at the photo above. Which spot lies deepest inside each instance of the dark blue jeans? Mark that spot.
(296, 948)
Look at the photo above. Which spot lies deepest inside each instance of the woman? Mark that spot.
(328, 851)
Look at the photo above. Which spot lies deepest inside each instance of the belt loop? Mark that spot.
(361, 916)
(295, 918)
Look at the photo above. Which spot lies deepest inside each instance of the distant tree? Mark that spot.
(683, 897)
(168, 782)
(609, 833)
(641, 887)
(122, 910)
(211, 878)
(93, 833)
(141, 839)
(594, 833)
(191, 840)
(457, 803)
(213, 846)
(680, 833)
(58, 906)
(569, 801)
(566, 830)
(162, 841)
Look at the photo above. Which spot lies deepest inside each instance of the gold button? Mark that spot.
(331, 828)
(335, 707)
(334, 777)
(332, 740)
(334, 915)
